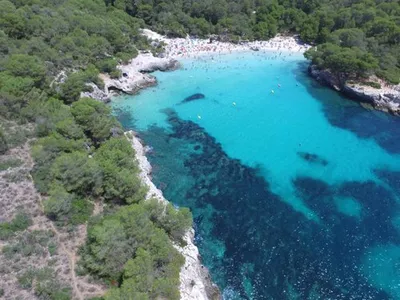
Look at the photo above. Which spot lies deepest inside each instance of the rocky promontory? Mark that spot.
(134, 77)
(385, 98)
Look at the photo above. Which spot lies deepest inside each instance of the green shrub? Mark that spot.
(44, 152)
(95, 119)
(391, 76)
(29, 243)
(77, 173)
(17, 137)
(10, 163)
(52, 248)
(16, 175)
(27, 66)
(176, 222)
(375, 85)
(44, 284)
(126, 57)
(116, 74)
(20, 222)
(121, 181)
(25, 280)
(81, 211)
(59, 204)
(128, 245)
(76, 83)
(67, 208)
(107, 65)
(3, 143)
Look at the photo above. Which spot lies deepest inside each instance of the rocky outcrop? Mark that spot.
(130, 83)
(134, 77)
(193, 97)
(386, 98)
(96, 93)
(159, 64)
(324, 77)
(195, 281)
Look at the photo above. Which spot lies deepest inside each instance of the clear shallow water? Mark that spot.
(294, 192)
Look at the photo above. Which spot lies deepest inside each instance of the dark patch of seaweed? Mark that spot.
(265, 241)
(193, 97)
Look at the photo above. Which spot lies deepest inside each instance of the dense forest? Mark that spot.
(361, 36)
(50, 49)
(357, 37)
(80, 152)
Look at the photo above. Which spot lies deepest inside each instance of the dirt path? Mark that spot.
(21, 196)
(71, 255)
(72, 260)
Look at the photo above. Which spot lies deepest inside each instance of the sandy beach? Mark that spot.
(136, 73)
(190, 47)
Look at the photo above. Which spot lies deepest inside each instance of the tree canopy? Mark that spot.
(369, 25)
(131, 248)
(49, 51)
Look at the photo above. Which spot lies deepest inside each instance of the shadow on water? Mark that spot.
(253, 243)
(347, 114)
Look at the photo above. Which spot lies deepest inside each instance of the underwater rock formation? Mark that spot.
(255, 245)
(312, 158)
(193, 97)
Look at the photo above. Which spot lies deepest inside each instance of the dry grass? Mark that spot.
(42, 244)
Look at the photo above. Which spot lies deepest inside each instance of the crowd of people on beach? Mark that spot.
(189, 47)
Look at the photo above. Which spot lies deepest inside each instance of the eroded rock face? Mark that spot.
(325, 77)
(134, 76)
(386, 98)
(160, 64)
(96, 93)
(129, 84)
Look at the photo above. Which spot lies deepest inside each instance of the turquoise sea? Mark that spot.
(295, 191)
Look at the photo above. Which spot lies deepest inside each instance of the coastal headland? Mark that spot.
(386, 98)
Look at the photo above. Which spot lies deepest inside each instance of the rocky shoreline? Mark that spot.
(386, 98)
(134, 77)
(195, 280)
(135, 74)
